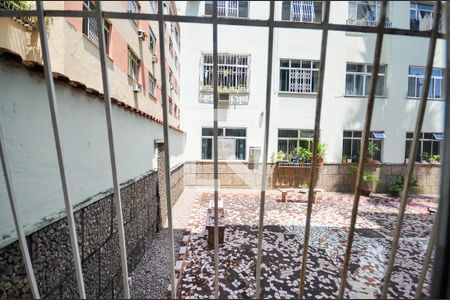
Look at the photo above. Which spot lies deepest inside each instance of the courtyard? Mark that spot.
(283, 239)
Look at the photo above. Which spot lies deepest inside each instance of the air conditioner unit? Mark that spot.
(224, 97)
(154, 59)
(136, 88)
(141, 34)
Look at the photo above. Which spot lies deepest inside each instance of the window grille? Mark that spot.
(299, 76)
(228, 8)
(302, 11)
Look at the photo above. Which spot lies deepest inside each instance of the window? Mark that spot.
(416, 77)
(151, 85)
(365, 13)
(107, 33)
(233, 73)
(170, 76)
(176, 34)
(134, 7)
(170, 106)
(151, 40)
(421, 16)
(90, 24)
(289, 139)
(133, 65)
(231, 143)
(153, 5)
(429, 145)
(351, 144)
(302, 11)
(299, 76)
(228, 8)
(358, 77)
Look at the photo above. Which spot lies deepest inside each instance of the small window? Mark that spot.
(421, 16)
(151, 85)
(133, 65)
(228, 8)
(429, 146)
(299, 76)
(289, 139)
(358, 78)
(416, 77)
(231, 141)
(151, 40)
(351, 144)
(364, 13)
(107, 32)
(302, 11)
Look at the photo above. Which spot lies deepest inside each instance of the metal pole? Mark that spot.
(17, 219)
(413, 150)
(265, 150)
(55, 123)
(215, 155)
(365, 138)
(440, 278)
(117, 197)
(323, 56)
(166, 145)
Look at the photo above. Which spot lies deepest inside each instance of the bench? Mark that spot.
(285, 191)
(210, 223)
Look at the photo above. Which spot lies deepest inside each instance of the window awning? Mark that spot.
(378, 135)
(438, 136)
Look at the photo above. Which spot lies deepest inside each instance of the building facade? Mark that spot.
(243, 74)
(132, 47)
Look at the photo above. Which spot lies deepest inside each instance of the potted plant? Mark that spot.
(434, 159)
(321, 149)
(281, 156)
(425, 157)
(368, 180)
(372, 148)
(344, 159)
(396, 186)
(305, 155)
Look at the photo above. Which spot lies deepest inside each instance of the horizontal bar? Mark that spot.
(221, 21)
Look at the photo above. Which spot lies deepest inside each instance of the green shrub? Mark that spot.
(396, 186)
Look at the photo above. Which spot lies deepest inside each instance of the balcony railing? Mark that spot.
(368, 23)
(30, 23)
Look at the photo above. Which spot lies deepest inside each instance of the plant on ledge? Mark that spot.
(435, 159)
(396, 187)
(372, 149)
(321, 150)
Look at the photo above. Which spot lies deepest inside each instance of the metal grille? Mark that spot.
(439, 235)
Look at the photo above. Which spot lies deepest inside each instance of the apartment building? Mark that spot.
(132, 48)
(242, 66)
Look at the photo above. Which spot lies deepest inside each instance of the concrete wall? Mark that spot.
(331, 177)
(28, 136)
(395, 114)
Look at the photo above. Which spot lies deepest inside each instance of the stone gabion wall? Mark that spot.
(331, 177)
(98, 243)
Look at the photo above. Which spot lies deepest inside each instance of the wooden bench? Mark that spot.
(285, 191)
(210, 223)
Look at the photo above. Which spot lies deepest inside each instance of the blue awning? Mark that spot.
(378, 135)
(438, 136)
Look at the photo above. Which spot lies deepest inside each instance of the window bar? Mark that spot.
(55, 123)
(364, 141)
(413, 149)
(265, 150)
(427, 258)
(166, 146)
(17, 219)
(323, 56)
(117, 197)
(215, 154)
(440, 276)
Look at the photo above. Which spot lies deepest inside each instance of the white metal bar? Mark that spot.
(215, 154)
(55, 123)
(109, 122)
(413, 150)
(265, 150)
(162, 47)
(364, 141)
(220, 21)
(17, 219)
(323, 56)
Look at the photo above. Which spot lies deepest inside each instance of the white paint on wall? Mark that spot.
(25, 118)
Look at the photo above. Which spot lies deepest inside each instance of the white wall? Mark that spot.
(27, 129)
(395, 114)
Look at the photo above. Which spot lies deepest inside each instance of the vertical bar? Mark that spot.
(215, 154)
(265, 150)
(162, 47)
(109, 122)
(365, 138)
(17, 219)
(54, 115)
(323, 56)
(413, 149)
(441, 266)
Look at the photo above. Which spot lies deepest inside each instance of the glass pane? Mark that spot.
(206, 148)
(284, 80)
(306, 134)
(411, 87)
(426, 148)
(347, 148)
(436, 148)
(357, 133)
(208, 8)
(284, 63)
(356, 148)
(306, 64)
(288, 133)
(315, 81)
(292, 145)
(282, 145)
(316, 65)
(295, 63)
(286, 11)
(409, 135)
(243, 9)
(368, 82)
(349, 82)
(380, 86)
(407, 146)
(235, 132)
(359, 85)
(416, 71)
(240, 149)
(306, 144)
(207, 132)
(347, 134)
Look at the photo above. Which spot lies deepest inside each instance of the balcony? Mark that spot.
(30, 23)
(367, 23)
(302, 11)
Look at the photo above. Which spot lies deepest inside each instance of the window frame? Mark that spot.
(290, 69)
(226, 9)
(133, 58)
(366, 82)
(316, 13)
(151, 40)
(296, 140)
(433, 80)
(355, 156)
(151, 79)
(222, 134)
(422, 140)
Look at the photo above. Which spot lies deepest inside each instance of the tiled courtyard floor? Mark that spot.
(283, 238)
